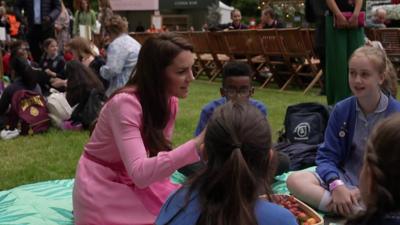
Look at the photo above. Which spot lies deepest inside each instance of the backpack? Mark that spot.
(300, 155)
(28, 108)
(304, 131)
(305, 123)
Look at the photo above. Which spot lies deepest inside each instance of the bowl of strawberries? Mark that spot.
(305, 214)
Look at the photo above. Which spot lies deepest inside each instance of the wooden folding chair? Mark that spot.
(255, 53)
(390, 39)
(203, 53)
(244, 45)
(298, 54)
(185, 35)
(273, 55)
(309, 42)
(219, 51)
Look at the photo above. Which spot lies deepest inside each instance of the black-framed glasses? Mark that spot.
(242, 92)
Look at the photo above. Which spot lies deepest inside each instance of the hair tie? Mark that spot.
(239, 146)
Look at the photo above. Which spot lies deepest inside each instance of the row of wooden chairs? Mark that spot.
(390, 40)
(286, 53)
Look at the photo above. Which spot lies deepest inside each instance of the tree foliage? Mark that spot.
(248, 8)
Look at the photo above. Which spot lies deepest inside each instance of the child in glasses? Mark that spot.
(236, 86)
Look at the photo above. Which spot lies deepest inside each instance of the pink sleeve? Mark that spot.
(125, 124)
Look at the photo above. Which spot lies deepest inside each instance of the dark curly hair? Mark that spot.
(116, 25)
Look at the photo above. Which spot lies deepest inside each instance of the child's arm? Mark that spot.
(331, 153)
(204, 116)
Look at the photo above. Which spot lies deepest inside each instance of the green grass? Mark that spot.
(54, 155)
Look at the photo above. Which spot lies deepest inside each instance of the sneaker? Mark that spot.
(9, 134)
(68, 125)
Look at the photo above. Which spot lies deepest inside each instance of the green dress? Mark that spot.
(340, 44)
(83, 18)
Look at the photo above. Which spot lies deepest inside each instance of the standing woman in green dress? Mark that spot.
(83, 16)
(341, 40)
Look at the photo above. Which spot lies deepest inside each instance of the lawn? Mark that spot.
(54, 155)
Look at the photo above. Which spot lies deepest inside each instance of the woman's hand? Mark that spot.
(50, 73)
(353, 21)
(341, 21)
(343, 200)
(57, 82)
(199, 140)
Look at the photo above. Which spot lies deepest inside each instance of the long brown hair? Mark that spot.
(237, 143)
(80, 45)
(149, 77)
(382, 159)
(81, 80)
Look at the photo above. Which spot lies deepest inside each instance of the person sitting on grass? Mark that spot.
(123, 175)
(52, 63)
(335, 185)
(237, 148)
(236, 85)
(24, 78)
(84, 92)
(379, 179)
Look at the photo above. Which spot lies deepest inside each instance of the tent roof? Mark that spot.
(223, 6)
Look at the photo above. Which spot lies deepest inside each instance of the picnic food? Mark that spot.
(293, 205)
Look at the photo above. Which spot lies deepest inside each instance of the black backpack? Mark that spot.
(305, 123)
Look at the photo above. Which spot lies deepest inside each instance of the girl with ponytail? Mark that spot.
(380, 176)
(334, 186)
(238, 155)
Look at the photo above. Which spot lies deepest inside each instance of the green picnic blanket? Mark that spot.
(50, 202)
(41, 203)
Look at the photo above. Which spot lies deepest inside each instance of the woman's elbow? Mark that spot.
(140, 182)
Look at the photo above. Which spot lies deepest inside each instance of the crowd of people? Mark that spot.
(55, 58)
(128, 94)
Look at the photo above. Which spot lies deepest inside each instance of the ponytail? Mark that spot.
(237, 168)
(390, 80)
(235, 206)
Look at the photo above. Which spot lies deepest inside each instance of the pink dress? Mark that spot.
(116, 182)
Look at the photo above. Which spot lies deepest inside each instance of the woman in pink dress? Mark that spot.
(123, 174)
